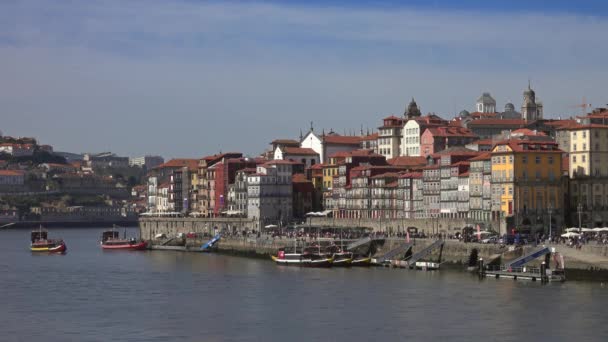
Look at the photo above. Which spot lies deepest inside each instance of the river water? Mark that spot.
(94, 295)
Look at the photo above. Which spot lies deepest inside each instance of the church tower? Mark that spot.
(412, 110)
(530, 109)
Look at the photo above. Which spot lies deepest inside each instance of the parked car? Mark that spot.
(491, 239)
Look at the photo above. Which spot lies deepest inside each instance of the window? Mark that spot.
(537, 174)
(524, 159)
(574, 159)
(504, 159)
(550, 159)
(510, 159)
(537, 159)
(574, 147)
(510, 191)
(584, 134)
(584, 158)
(584, 147)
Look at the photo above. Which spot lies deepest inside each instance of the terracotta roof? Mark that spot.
(576, 127)
(392, 184)
(464, 174)
(299, 178)
(340, 154)
(411, 175)
(248, 170)
(484, 156)
(407, 161)
(342, 140)
(560, 123)
(11, 173)
(483, 142)
(299, 151)
(456, 150)
(317, 167)
(450, 132)
(533, 146)
(175, 163)
(364, 153)
(461, 163)
(498, 122)
(373, 136)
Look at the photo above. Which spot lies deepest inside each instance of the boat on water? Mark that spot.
(340, 257)
(361, 260)
(41, 243)
(310, 256)
(110, 239)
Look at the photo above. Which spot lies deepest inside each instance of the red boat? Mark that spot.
(110, 240)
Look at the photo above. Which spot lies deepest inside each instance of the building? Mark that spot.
(237, 193)
(414, 128)
(17, 150)
(327, 144)
(369, 142)
(148, 162)
(222, 174)
(303, 196)
(306, 156)
(411, 183)
(390, 137)
(270, 193)
(588, 171)
(12, 178)
(436, 139)
(105, 160)
(489, 128)
(480, 188)
(531, 110)
(486, 103)
(206, 177)
(527, 184)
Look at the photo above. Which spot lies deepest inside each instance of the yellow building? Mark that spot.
(588, 171)
(526, 184)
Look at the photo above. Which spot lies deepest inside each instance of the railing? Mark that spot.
(524, 269)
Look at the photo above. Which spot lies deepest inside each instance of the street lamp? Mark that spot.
(580, 209)
(550, 209)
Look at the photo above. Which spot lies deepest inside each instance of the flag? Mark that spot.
(478, 233)
(407, 236)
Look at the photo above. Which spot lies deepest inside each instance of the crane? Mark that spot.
(583, 106)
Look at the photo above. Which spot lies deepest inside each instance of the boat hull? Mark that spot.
(61, 248)
(361, 262)
(345, 262)
(127, 246)
(303, 262)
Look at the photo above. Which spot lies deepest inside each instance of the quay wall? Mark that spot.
(171, 226)
(429, 226)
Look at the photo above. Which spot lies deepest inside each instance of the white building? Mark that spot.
(269, 193)
(146, 161)
(17, 150)
(412, 131)
(306, 156)
(330, 143)
(390, 137)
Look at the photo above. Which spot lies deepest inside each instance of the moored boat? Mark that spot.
(41, 243)
(110, 240)
(361, 260)
(306, 257)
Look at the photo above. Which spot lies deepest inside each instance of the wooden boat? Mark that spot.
(41, 243)
(297, 256)
(361, 260)
(426, 265)
(110, 240)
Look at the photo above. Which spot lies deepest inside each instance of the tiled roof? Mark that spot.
(411, 175)
(456, 150)
(373, 136)
(387, 175)
(281, 162)
(342, 140)
(317, 167)
(484, 156)
(464, 174)
(407, 161)
(11, 173)
(532, 146)
(498, 122)
(450, 131)
(528, 132)
(183, 162)
(483, 142)
(299, 151)
(576, 127)
(299, 178)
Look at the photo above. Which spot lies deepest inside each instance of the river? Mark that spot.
(93, 295)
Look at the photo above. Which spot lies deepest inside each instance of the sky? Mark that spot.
(187, 78)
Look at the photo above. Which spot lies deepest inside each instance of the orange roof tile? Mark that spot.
(342, 140)
(407, 161)
(299, 151)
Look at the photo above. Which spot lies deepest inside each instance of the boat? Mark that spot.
(340, 258)
(110, 239)
(310, 256)
(426, 265)
(361, 260)
(41, 243)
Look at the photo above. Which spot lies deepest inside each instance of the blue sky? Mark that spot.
(189, 78)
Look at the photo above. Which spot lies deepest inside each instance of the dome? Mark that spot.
(486, 98)
(412, 109)
(464, 113)
(509, 107)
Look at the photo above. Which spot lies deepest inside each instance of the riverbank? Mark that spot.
(455, 254)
